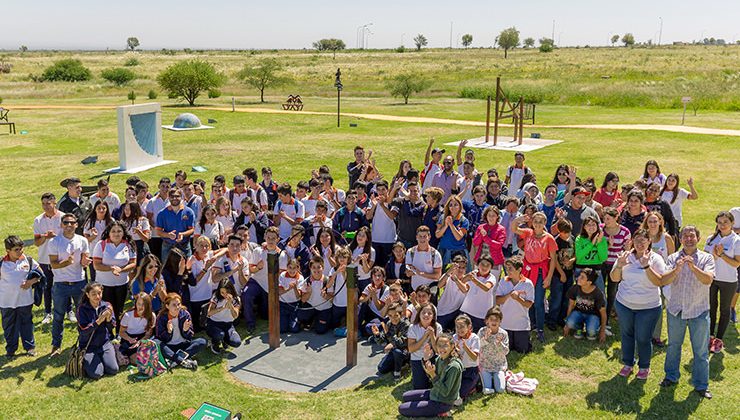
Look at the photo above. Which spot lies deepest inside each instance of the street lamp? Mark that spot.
(338, 85)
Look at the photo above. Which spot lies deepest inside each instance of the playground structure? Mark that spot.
(519, 112)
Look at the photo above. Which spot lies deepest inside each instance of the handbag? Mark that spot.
(74, 366)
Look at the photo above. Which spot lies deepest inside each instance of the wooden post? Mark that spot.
(488, 116)
(351, 287)
(233, 104)
(495, 116)
(521, 119)
(273, 298)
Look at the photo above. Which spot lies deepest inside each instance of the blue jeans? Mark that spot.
(167, 246)
(100, 361)
(494, 380)
(637, 326)
(699, 336)
(191, 347)
(253, 294)
(537, 311)
(576, 320)
(61, 294)
(393, 361)
(18, 322)
(558, 299)
(419, 378)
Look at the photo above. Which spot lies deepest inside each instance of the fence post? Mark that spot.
(273, 297)
(351, 284)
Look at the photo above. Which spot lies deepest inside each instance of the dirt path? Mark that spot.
(424, 120)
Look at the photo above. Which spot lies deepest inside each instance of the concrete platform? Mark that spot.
(305, 362)
(507, 143)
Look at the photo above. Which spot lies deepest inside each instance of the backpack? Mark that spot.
(516, 383)
(149, 360)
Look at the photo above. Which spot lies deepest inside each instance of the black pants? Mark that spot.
(195, 309)
(155, 247)
(519, 341)
(46, 268)
(116, 296)
(382, 253)
(726, 291)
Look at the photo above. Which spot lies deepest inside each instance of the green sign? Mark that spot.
(211, 412)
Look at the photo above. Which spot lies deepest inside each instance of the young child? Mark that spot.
(337, 284)
(563, 278)
(494, 346)
(136, 324)
(396, 295)
(587, 306)
(468, 345)
(515, 295)
(420, 297)
(372, 301)
(422, 336)
(396, 268)
(479, 299)
(446, 375)
(223, 310)
(290, 284)
(316, 299)
(394, 336)
(255, 294)
(453, 287)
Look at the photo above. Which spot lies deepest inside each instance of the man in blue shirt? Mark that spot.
(349, 218)
(549, 205)
(175, 225)
(473, 210)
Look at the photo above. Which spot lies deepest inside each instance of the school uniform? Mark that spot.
(448, 306)
(68, 281)
(516, 317)
(419, 378)
(470, 374)
(363, 277)
(255, 293)
(300, 253)
(115, 288)
(395, 270)
(100, 357)
(316, 310)
(293, 210)
(220, 326)
(339, 302)
(179, 339)
(41, 225)
(16, 304)
(289, 303)
(136, 328)
(200, 292)
(477, 302)
(426, 261)
(369, 312)
(384, 233)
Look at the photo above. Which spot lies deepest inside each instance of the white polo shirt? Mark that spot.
(416, 331)
(294, 210)
(361, 273)
(12, 275)
(134, 324)
(111, 199)
(236, 201)
(384, 228)
(100, 226)
(63, 248)
(260, 254)
(477, 301)
(43, 224)
(425, 261)
(259, 197)
(516, 316)
(225, 315)
(111, 254)
(451, 300)
(153, 207)
(382, 296)
(203, 290)
(284, 282)
(339, 290)
(316, 300)
(473, 343)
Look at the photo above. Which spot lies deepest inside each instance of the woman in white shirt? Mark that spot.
(363, 254)
(225, 215)
(113, 258)
(480, 297)
(638, 301)
(137, 324)
(97, 221)
(209, 227)
(223, 310)
(675, 196)
(137, 226)
(201, 285)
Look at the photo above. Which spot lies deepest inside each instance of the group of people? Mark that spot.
(453, 267)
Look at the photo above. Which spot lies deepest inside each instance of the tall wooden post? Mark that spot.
(273, 298)
(351, 287)
(488, 116)
(495, 115)
(521, 119)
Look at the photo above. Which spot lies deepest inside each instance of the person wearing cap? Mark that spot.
(74, 202)
(432, 165)
(576, 211)
(175, 225)
(447, 179)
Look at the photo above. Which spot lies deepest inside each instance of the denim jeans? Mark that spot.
(167, 246)
(62, 293)
(393, 361)
(537, 311)
(558, 299)
(192, 347)
(576, 320)
(447, 257)
(636, 326)
(18, 322)
(100, 361)
(699, 336)
(494, 380)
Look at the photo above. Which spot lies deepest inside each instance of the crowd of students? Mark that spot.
(445, 249)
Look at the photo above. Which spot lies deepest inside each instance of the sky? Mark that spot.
(291, 24)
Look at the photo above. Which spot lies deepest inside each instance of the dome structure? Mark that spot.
(186, 120)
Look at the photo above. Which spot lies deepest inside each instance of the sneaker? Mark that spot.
(541, 336)
(643, 374)
(666, 383)
(31, 352)
(590, 337)
(718, 346)
(215, 348)
(608, 331)
(47, 319)
(626, 371)
(578, 334)
(397, 376)
(488, 391)
(55, 351)
(9, 355)
(189, 364)
(458, 402)
(72, 317)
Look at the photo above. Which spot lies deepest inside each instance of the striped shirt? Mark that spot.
(617, 243)
(689, 296)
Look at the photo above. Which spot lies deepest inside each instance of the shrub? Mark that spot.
(132, 96)
(214, 93)
(152, 94)
(404, 85)
(131, 62)
(400, 49)
(4, 66)
(67, 70)
(119, 76)
(187, 79)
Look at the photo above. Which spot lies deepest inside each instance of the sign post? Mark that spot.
(351, 315)
(685, 100)
(273, 306)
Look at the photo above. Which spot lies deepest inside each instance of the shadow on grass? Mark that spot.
(617, 395)
(39, 365)
(664, 405)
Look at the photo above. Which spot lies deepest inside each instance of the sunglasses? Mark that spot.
(562, 174)
(69, 222)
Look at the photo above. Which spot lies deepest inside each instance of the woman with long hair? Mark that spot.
(94, 226)
(451, 231)
(674, 195)
(137, 226)
(95, 323)
(608, 194)
(363, 254)
(148, 279)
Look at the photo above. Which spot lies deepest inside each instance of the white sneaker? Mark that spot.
(488, 391)
(608, 332)
(72, 317)
(47, 319)
(458, 402)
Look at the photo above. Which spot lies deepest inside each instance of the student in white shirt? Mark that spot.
(95, 224)
(383, 214)
(104, 193)
(290, 284)
(225, 215)
(136, 325)
(480, 298)
(288, 210)
(372, 300)
(337, 286)
(363, 254)
(315, 307)
(422, 261)
(201, 285)
(18, 274)
(209, 227)
(422, 337)
(238, 193)
(515, 295)
(674, 195)
(454, 287)
(325, 248)
(256, 191)
(255, 294)
(46, 226)
(468, 345)
(223, 310)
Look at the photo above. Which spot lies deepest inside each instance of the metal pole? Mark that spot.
(488, 116)
(351, 286)
(660, 34)
(495, 115)
(339, 94)
(683, 117)
(521, 119)
(273, 304)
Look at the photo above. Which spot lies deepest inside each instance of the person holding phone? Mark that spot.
(174, 332)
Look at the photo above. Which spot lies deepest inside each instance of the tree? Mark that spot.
(23, 48)
(420, 41)
(66, 70)
(467, 39)
(405, 84)
(132, 42)
(528, 42)
(628, 40)
(547, 45)
(508, 39)
(615, 39)
(119, 76)
(330, 44)
(132, 97)
(187, 79)
(265, 74)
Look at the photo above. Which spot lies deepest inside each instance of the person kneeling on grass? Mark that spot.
(587, 306)
(494, 346)
(174, 333)
(95, 322)
(223, 309)
(394, 335)
(137, 324)
(445, 377)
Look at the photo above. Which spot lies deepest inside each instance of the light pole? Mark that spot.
(362, 34)
(660, 33)
(338, 85)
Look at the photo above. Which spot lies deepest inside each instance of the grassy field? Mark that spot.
(577, 378)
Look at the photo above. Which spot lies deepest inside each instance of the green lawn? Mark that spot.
(577, 379)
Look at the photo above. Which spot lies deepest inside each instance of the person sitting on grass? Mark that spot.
(444, 376)
(586, 306)
(422, 337)
(137, 324)
(174, 332)
(494, 346)
(223, 310)
(394, 336)
(419, 298)
(95, 323)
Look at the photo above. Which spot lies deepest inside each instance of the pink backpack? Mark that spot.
(516, 383)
